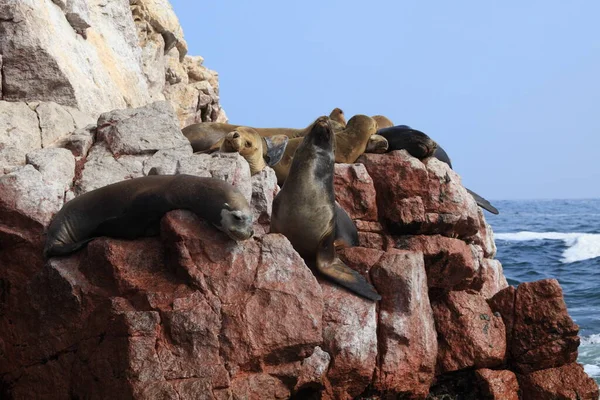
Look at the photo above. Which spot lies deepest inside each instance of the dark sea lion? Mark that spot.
(382, 121)
(134, 207)
(305, 212)
(417, 143)
(420, 145)
(350, 143)
(338, 116)
(257, 150)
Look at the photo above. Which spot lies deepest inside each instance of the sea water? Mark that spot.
(560, 239)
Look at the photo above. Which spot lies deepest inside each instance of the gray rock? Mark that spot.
(0, 76)
(175, 71)
(102, 168)
(25, 192)
(165, 161)
(153, 65)
(230, 167)
(80, 119)
(141, 130)
(55, 122)
(56, 165)
(10, 156)
(78, 15)
(19, 127)
(80, 142)
(264, 190)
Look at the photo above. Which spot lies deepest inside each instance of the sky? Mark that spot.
(510, 89)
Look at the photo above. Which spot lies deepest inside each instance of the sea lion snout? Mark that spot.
(237, 224)
(235, 134)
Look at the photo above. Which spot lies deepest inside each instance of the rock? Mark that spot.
(450, 263)
(258, 387)
(469, 333)
(80, 142)
(415, 197)
(153, 65)
(142, 130)
(175, 72)
(313, 371)
(497, 385)
(491, 278)
(544, 335)
(354, 191)
(10, 156)
(503, 303)
(264, 190)
(57, 166)
(55, 122)
(19, 127)
(44, 60)
(349, 336)
(25, 192)
(230, 167)
(184, 99)
(165, 161)
(568, 382)
(406, 330)
(78, 15)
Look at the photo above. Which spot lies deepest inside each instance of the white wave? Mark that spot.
(592, 339)
(592, 370)
(581, 246)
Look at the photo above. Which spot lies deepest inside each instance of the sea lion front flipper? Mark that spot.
(346, 234)
(275, 148)
(483, 203)
(333, 268)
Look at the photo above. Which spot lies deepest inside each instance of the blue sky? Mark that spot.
(510, 89)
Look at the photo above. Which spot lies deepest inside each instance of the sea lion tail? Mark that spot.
(340, 273)
(483, 203)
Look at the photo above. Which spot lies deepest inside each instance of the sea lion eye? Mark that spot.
(237, 217)
(248, 144)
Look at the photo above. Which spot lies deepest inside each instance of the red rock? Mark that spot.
(369, 226)
(449, 262)
(469, 333)
(407, 336)
(497, 385)
(415, 197)
(258, 387)
(544, 335)
(350, 338)
(567, 382)
(313, 371)
(354, 191)
(490, 279)
(503, 303)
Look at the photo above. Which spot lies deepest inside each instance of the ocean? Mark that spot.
(538, 239)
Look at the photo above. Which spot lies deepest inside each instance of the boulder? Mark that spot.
(497, 385)
(354, 191)
(567, 382)
(470, 335)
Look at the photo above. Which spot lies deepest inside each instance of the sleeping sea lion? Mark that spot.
(134, 207)
(350, 143)
(377, 144)
(305, 212)
(382, 121)
(338, 116)
(419, 145)
(258, 151)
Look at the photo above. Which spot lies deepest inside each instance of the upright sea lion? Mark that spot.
(258, 151)
(134, 207)
(419, 145)
(304, 210)
(338, 116)
(382, 121)
(350, 143)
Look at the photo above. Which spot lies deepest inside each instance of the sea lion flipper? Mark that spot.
(483, 203)
(346, 234)
(275, 148)
(335, 269)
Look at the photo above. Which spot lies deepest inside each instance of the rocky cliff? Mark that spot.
(191, 314)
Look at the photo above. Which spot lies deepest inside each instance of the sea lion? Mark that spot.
(304, 210)
(377, 144)
(338, 116)
(257, 150)
(350, 143)
(419, 145)
(382, 121)
(133, 208)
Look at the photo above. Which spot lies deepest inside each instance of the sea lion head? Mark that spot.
(362, 125)
(236, 219)
(258, 151)
(320, 134)
(338, 116)
(377, 144)
(382, 121)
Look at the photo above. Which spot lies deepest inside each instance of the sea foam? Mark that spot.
(581, 246)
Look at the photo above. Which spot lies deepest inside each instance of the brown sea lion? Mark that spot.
(382, 121)
(304, 210)
(134, 207)
(350, 143)
(377, 144)
(257, 150)
(338, 116)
